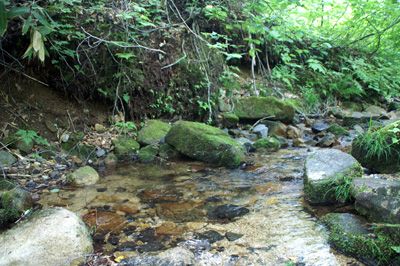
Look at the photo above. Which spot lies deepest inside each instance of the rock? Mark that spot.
(111, 158)
(169, 228)
(65, 137)
(352, 106)
(351, 234)
(229, 120)
(379, 200)
(6, 158)
(205, 143)
(100, 153)
(337, 130)
(159, 195)
(321, 171)
(261, 131)
(16, 202)
(148, 153)
(104, 222)
(24, 145)
(327, 140)
(233, 236)
(84, 176)
(393, 106)
(261, 107)
(299, 143)
(318, 127)
(337, 112)
(268, 144)
(377, 110)
(359, 118)
(126, 208)
(210, 236)
(99, 128)
(178, 256)
(275, 127)
(125, 149)
(168, 152)
(224, 107)
(293, 132)
(247, 144)
(51, 126)
(374, 149)
(49, 237)
(180, 212)
(228, 211)
(150, 247)
(246, 134)
(152, 132)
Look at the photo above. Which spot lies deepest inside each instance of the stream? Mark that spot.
(168, 204)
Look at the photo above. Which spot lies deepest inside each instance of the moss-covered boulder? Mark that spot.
(267, 144)
(351, 234)
(337, 130)
(229, 120)
(16, 202)
(83, 176)
(205, 143)
(125, 149)
(152, 132)
(148, 153)
(168, 151)
(325, 170)
(260, 107)
(6, 158)
(376, 150)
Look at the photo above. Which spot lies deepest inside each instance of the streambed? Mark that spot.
(139, 208)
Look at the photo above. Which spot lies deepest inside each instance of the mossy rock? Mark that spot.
(229, 120)
(376, 150)
(125, 149)
(83, 176)
(168, 151)
(337, 130)
(16, 202)
(260, 107)
(351, 234)
(3, 218)
(74, 147)
(205, 143)
(148, 153)
(6, 158)
(268, 144)
(152, 132)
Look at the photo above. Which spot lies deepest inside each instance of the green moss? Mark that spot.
(125, 148)
(74, 147)
(269, 144)
(153, 132)
(147, 154)
(229, 120)
(337, 130)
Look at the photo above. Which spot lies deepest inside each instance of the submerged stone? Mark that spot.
(228, 211)
(205, 143)
(211, 236)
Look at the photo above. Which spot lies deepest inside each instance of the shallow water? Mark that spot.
(278, 230)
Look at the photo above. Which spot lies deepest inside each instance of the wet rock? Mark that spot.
(55, 174)
(100, 153)
(148, 153)
(327, 140)
(180, 212)
(260, 107)
(6, 158)
(178, 256)
(229, 120)
(293, 132)
(233, 236)
(16, 202)
(322, 169)
(275, 127)
(168, 152)
(125, 149)
(84, 176)
(205, 143)
(41, 240)
(386, 159)
(127, 246)
(284, 142)
(247, 144)
(359, 118)
(351, 234)
(268, 144)
(301, 144)
(261, 131)
(126, 208)
(318, 127)
(228, 211)
(150, 247)
(110, 159)
(211, 236)
(251, 136)
(104, 222)
(152, 132)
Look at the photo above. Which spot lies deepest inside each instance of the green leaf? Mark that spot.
(3, 18)
(396, 248)
(41, 19)
(15, 12)
(125, 55)
(126, 97)
(27, 24)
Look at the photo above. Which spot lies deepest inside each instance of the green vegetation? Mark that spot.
(341, 187)
(29, 135)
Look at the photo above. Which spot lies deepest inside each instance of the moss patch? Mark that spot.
(268, 144)
(153, 132)
(147, 154)
(125, 149)
(337, 130)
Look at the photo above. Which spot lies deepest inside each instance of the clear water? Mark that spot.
(278, 230)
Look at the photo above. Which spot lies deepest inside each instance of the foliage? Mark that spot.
(341, 186)
(29, 135)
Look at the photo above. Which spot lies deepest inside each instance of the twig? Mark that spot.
(180, 59)
(26, 75)
(256, 123)
(72, 123)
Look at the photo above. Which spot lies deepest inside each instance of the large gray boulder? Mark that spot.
(205, 143)
(261, 107)
(49, 237)
(379, 200)
(152, 132)
(326, 169)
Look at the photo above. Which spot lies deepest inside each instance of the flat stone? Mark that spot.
(104, 222)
